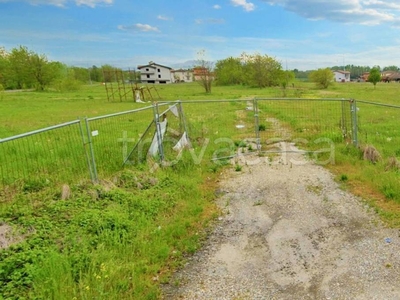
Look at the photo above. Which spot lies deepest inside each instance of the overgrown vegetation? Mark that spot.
(114, 240)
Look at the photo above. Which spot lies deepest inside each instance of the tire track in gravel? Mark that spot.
(289, 232)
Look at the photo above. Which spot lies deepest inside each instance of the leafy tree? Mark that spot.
(286, 78)
(203, 72)
(323, 78)
(68, 81)
(261, 70)
(42, 71)
(131, 75)
(81, 74)
(108, 72)
(3, 68)
(303, 75)
(229, 71)
(374, 76)
(19, 72)
(95, 74)
(22, 68)
(391, 68)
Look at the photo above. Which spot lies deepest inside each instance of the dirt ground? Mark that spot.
(288, 231)
(6, 236)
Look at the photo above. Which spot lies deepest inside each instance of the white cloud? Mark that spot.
(247, 6)
(93, 3)
(366, 12)
(164, 18)
(216, 6)
(59, 3)
(381, 4)
(138, 27)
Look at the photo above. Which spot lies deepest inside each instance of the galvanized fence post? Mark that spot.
(84, 143)
(90, 156)
(354, 127)
(158, 131)
(256, 123)
(343, 121)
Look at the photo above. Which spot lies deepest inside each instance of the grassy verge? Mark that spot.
(117, 240)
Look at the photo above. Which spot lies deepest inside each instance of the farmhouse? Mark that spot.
(200, 73)
(182, 75)
(342, 76)
(155, 73)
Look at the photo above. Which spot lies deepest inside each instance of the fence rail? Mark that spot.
(97, 147)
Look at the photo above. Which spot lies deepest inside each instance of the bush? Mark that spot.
(323, 78)
(68, 84)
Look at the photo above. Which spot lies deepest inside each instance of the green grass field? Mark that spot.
(122, 238)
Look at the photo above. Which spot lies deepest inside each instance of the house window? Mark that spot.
(159, 70)
(148, 76)
(147, 69)
(159, 76)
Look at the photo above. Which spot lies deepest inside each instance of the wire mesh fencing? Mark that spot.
(90, 148)
(97, 147)
(44, 156)
(378, 126)
(112, 135)
(304, 120)
(217, 127)
(235, 127)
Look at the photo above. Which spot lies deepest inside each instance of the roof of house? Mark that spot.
(181, 70)
(391, 74)
(342, 72)
(153, 65)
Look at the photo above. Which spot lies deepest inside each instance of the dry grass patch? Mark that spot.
(371, 154)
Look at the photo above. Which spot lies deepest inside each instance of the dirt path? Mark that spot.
(289, 232)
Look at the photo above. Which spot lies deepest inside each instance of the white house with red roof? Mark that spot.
(342, 76)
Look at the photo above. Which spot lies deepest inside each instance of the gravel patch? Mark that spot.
(289, 232)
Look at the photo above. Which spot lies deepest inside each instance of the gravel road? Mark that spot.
(289, 232)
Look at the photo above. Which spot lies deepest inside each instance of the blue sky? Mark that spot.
(306, 34)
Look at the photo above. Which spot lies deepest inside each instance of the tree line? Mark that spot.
(254, 70)
(21, 68)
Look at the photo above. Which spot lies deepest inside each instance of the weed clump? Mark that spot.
(371, 154)
(262, 127)
(392, 164)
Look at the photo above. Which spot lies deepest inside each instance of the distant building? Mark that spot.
(200, 73)
(182, 75)
(342, 76)
(388, 76)
(155, 73)
(364, 76)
